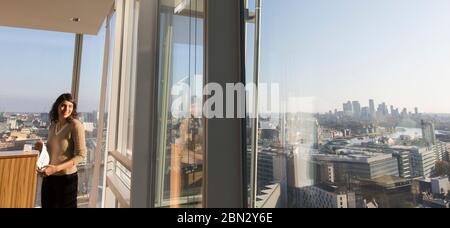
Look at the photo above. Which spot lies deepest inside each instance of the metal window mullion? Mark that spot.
(115, 84)
(132, 100)
(144, 140)
(125, 79)
(115, 81)
(224, 169)
(255, 135)
(164, 99)
(101, 122)
(78, 51)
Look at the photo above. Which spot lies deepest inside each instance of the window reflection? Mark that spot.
(363, 122)
(179, 174)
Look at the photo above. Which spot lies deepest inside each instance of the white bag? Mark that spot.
(44, 158)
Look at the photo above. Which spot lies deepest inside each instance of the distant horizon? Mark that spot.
(390, 51)
(339, 108)
(366, 103)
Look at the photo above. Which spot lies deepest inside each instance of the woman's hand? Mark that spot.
(40, 172)
(50, 170)
(38, 146)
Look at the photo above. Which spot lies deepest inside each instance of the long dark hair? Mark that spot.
(54, 112)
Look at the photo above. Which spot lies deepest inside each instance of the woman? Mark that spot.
(66, 147)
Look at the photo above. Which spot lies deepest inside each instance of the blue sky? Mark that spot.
(396, 51)
(36, 67)
(393, 51)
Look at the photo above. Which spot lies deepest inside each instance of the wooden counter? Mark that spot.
(17, 179)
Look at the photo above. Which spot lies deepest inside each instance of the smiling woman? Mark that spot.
(67, 148)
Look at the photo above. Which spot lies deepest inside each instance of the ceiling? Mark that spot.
(55, 15)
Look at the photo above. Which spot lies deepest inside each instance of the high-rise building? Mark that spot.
(365, 113)
(382, 109)
(428, 132)
(404, 112)
(372, 107)
(348, 109)
(415, 162)
(2, 117)
(13, 124)
(440, 150)
(416, 111)
(356, 108)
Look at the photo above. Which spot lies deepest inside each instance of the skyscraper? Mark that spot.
(365, 113)
(416, 111)
(428, 132)
(356, 108)
(404, 112)
(348, 109)
(372, 107)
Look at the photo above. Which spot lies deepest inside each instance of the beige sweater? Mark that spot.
(66, 145)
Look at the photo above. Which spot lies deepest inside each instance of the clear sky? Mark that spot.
(396, 51)
(36, 67)
(393, 51)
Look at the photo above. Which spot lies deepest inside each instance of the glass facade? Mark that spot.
(352, 120)
(179, 158)
(345, 103)
(89, 104)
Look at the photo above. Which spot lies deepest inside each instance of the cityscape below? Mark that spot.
(354, 157)
(363, 157)
(20, 129)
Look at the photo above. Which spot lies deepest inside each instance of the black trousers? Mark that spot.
(60, 191)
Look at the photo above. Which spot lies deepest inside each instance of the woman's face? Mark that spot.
(65, 109)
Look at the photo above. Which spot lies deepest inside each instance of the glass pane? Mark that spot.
(35, 68)
(179, 175)
(364, 117)
(132, 84)
(89, 103)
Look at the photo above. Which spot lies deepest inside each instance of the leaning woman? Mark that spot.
(67, 148)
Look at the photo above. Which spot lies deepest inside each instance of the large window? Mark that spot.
(89, 104)
(35, 68)
(121, 101)
(363, 110)
(179, 174)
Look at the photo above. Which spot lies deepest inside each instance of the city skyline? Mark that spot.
(366, 104)
(392, 51)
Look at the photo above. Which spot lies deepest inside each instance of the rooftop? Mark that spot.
(353, 155)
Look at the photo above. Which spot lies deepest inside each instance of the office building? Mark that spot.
(440, 185)
(428, 132)
(323, 196)
(414, 161)
(359, 164)
(372, 107)
(356, 109)
(348, 108)
(388, 192)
